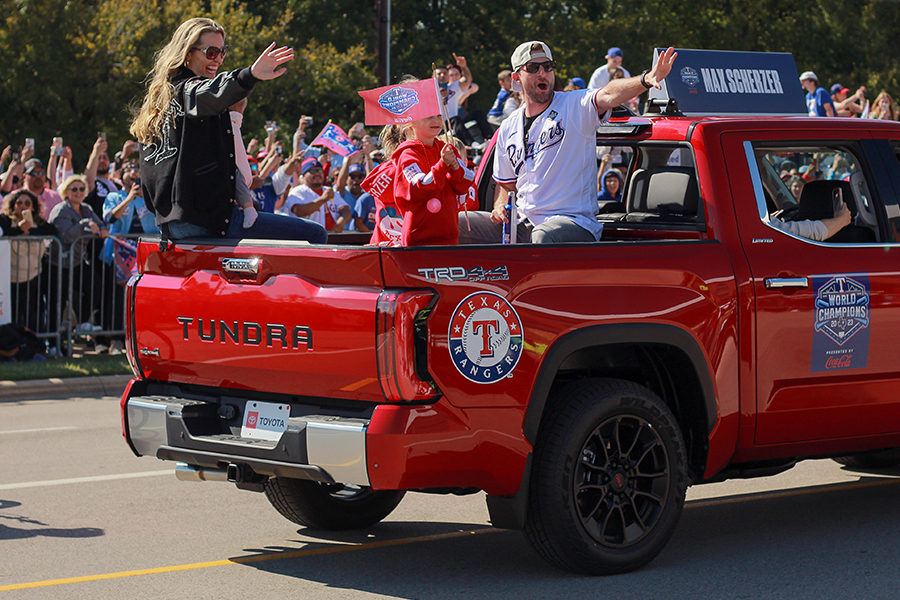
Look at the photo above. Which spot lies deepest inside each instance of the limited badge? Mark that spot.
(485, 337)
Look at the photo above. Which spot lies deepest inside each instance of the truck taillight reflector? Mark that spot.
(401, 341)
(131, 350)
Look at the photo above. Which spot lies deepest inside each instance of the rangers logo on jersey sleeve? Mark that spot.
(485, 337)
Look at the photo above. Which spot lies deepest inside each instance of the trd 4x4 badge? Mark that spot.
(841, 334)
(485, 337)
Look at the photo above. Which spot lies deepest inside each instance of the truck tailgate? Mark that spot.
(289, 319)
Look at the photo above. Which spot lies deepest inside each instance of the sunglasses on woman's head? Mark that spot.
(212, 53)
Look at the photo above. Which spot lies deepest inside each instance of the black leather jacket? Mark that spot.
(189, 174)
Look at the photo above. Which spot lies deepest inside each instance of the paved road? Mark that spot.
(81, 517)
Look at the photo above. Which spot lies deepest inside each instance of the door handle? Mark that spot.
(781, 283)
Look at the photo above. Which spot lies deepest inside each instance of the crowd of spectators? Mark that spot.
(286, 175)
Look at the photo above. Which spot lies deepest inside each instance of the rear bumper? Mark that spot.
(316, 447)
(380, 446)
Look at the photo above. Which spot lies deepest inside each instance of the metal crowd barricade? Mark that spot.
(36, 286)
(94, 301)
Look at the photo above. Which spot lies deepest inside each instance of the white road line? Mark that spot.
(51, 482)
(37, 430)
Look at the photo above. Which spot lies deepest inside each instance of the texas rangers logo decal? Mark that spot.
(485, 337)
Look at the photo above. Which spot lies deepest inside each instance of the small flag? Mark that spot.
(125, 253)
(865, 112)
(402, 103)
(334, 138)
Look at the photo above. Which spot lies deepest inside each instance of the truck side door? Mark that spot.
(827, 313)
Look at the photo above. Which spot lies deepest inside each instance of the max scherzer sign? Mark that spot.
(841, 322)
(714, 82)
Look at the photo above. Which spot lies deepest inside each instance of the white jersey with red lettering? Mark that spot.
(555, 172)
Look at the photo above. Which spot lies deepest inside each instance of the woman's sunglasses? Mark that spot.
(76, 188)
(212, 53)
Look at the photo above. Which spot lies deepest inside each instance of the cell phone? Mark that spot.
(279, 150)
(443, 85)
(58, 150)
(837, 198)
(16, 153)
(29, 142)
(101, 135)
(26, 214)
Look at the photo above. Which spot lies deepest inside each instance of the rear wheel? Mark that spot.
(877, 459)
(609, 478)
(330, 506)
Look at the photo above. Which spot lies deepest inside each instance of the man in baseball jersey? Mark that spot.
(545, 155)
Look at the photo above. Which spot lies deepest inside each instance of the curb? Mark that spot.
(70, 387)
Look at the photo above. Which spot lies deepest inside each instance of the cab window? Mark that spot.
(805, 183)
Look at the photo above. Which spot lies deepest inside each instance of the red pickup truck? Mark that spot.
(584, 386)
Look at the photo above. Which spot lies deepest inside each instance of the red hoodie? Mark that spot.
(426, 192)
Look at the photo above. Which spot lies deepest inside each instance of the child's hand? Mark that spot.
(449, 157)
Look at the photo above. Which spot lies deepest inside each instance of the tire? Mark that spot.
(331, 507)
(608, 480)
(877, 459)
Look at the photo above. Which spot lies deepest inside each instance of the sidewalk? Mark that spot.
(70, 387)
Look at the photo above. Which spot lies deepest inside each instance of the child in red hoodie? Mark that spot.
(429, 178)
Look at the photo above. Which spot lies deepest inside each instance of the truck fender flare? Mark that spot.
(620, 333)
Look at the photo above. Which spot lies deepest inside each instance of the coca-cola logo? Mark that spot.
(838, 362)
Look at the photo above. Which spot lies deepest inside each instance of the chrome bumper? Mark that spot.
(317, 447)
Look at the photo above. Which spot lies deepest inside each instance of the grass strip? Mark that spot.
(62, 368)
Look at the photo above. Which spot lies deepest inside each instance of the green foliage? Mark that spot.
(75, 67)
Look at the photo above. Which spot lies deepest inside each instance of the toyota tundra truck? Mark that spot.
(583, 387)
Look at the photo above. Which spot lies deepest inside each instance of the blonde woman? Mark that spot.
(186, 143)
(884, 108)
(74, 219)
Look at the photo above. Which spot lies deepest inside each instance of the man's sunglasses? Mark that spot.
(534, 67)
(212, 53)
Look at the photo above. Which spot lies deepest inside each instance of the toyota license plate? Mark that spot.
(265, 420)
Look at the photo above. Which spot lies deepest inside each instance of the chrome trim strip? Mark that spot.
(757, 182)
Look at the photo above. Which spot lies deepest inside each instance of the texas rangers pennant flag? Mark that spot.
(125, 253)
(334, 138)
(402, 103)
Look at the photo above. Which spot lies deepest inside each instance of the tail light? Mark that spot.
(402, 344)
(131, 350)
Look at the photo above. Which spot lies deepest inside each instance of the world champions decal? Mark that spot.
(485, 337)
(842, 322)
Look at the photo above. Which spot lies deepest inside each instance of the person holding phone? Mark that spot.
(21, 219)
(36, 183)
(97, 171)
(187, 160)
